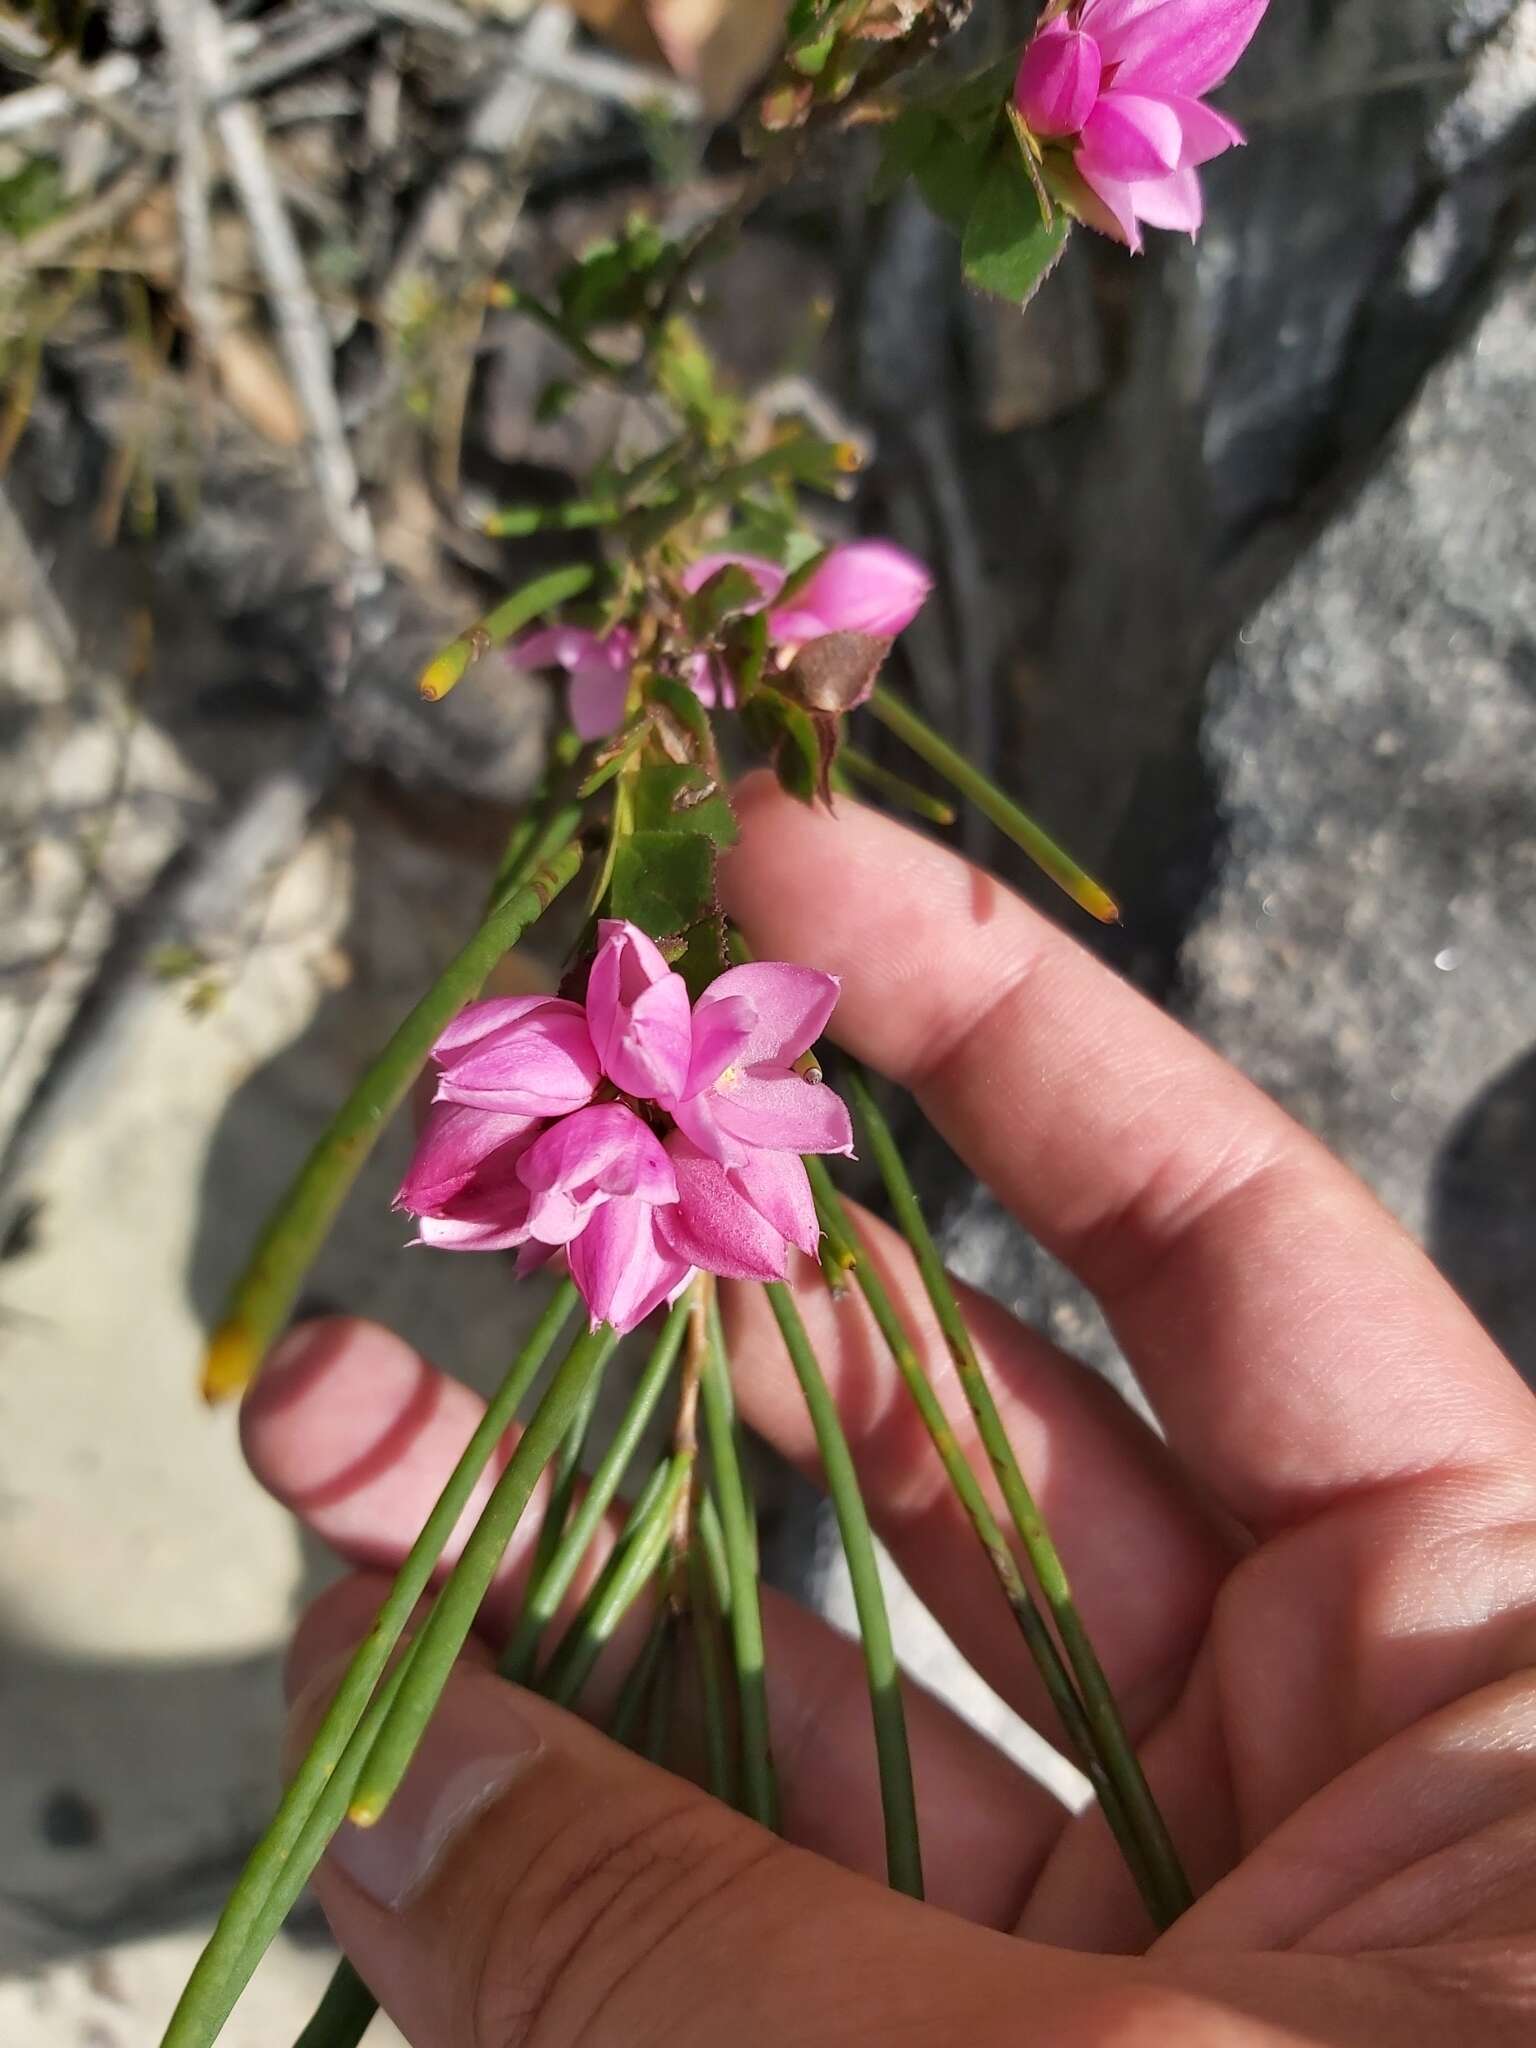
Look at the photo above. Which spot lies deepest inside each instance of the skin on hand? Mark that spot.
(1316, 1600)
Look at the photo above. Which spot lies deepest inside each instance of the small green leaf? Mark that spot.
(952, 173)
(685, 708)
(787, 734)
(903, 146)
(663, 881)
(1008, 248)
(729, 592)
(673, 797)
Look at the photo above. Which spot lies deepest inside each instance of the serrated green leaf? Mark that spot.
(1008, 248)
(684, 706)
(672, 796)
(787, 735)
(663, 881)
(951, 175)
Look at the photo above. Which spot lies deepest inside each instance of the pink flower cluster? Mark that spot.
(869, 586)
(1122, 81)
(644, 1136)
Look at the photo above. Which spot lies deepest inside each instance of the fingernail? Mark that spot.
(291, 1350)
(476, 1746)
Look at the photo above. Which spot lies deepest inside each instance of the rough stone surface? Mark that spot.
(1370, 952)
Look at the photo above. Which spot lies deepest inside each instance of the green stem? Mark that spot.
(878, 777)
(564, 1473)
(453, 1614)
(705, 1620)
(759, 1791)
(636, 1687)
(341, 2018)
(450, 664)
(1005, 814)
(898, 1802)
(1055, 1677)
(1110, 1740)
(658, 1716)
(231, 1954)
(634, 1564)
(548, 1588)
(263, 1296)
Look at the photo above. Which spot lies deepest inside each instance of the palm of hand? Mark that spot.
(1315, 1601)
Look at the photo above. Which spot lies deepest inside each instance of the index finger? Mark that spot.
(1294, 1340)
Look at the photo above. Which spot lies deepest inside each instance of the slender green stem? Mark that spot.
(342, 2017)
(1110, 1739)
(449, 666)
(1038, 1639)
(704, 1625)
(903, 1855)
(217, 1979)
(635, 1562)
(878, 777)
(637, 1686)
(547, 1588)
(658, 1715)
(545, 823)
(760, 1796)
(993, 803)
(711, 1535)
(453, 1615)
(263, 1296)
(564, 1473)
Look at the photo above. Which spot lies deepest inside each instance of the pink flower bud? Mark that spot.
(1058, 80)
(637, 1013)
(871, 587)
(519, 1055)
(622, 1265)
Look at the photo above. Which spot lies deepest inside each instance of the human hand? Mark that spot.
(1315, 1603)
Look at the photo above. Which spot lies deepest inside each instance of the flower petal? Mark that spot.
(768, 576)
(714, 1225)
(1206, 133)
(1058, 80)
(596, 697)
(478, 1020)
(791, 1006)
(1115, 197)
(1172, 202)
(638, 1014)
(871, 587)
(555, 647)
(540, 1062)
(622, 1266)
(587, 1159)
(1185, 46)
(453, 1143)
(773, 1109)
(779, 1189)
(488, 1214)
(1128, 137)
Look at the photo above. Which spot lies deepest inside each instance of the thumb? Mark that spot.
(533, 1883)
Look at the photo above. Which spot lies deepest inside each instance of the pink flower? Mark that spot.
(519, 1056)
(637, 1013)
(869, 586)
(463, 1186)
(742, 1094)
(698, 1165)
(738, 1221)
(600, 1154)
(598, 665)
(1121, 82)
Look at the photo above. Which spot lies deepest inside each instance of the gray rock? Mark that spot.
(1370, 952)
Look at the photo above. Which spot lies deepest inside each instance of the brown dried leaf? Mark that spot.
(836, 672)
